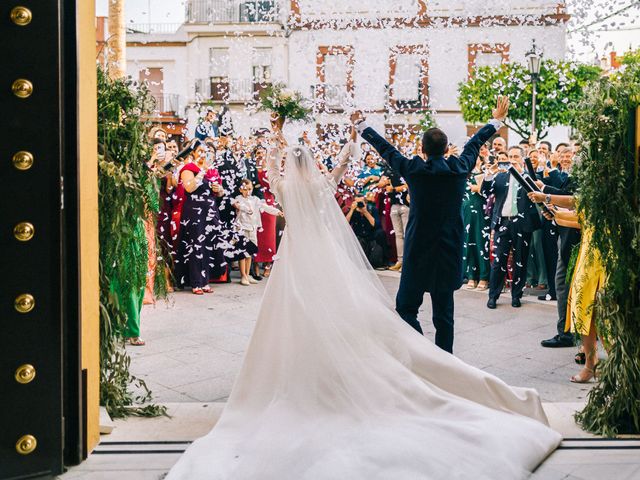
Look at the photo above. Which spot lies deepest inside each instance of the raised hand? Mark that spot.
(277, 122)
(356, 117)
(502, 108)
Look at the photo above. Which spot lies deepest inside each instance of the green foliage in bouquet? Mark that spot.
(127, 195)
(559, 90)
(609, 193)
(288, 104)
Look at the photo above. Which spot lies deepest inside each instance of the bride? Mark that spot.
(335, 385)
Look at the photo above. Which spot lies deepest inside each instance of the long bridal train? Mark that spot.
(335, 385)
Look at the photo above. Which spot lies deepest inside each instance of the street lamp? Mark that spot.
(534, 56)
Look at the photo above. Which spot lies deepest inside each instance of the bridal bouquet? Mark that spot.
(285, 103)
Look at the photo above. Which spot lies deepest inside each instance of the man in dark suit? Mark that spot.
(434, 237)
(513, 221)
(568, 238)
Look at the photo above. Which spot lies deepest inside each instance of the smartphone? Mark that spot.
(160, 150)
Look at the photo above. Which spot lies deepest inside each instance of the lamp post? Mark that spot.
(534, 56)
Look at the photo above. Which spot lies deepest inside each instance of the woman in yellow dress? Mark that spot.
(588, 278)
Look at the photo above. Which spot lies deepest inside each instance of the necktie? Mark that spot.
(514, 196)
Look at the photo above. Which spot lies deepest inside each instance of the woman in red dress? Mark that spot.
(266, 236)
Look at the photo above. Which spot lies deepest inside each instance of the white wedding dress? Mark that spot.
(336, 386)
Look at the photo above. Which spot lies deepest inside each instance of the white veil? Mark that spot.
(318, 225)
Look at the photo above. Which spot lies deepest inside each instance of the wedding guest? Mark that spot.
(197, 253)
(498, 145)
(476, 236)
(370, 174)
(173, 145)
(513, 221)
(250, 210)
(159, 133)
(397, 192)
(365, 222)
(588, 279)
(252, 163)
(548, 232)
(267, 231)
(208, 127)
(536, 264)
(567, 239)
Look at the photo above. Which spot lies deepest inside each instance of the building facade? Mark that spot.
(394, 60)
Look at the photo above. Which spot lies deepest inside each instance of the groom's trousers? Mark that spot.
(408, 302)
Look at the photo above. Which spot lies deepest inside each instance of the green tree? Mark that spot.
(560, 88)
(427, 120)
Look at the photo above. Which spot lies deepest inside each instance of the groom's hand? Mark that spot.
(357, 117)
(502, 108)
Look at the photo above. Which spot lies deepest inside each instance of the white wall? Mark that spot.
(448, 60)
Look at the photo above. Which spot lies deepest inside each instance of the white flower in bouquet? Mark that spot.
(287, 94)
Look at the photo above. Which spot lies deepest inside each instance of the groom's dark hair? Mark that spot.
(434, 142)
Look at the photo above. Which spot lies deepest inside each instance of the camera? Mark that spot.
(360, 204)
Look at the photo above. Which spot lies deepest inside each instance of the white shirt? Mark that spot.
(249, 208)
(509, 201)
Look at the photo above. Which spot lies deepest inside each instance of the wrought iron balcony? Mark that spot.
(232, 11)
(228, 90)
(167, 104)
(150, 28)
(329, 97)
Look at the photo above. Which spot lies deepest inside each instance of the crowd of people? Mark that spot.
(218, 215)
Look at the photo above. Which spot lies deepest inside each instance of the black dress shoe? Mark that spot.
(256, 277)
(516, 303)
(546, 298)
(557, 342)
(491, 303)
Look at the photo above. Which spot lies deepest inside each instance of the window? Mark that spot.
(219, 73)
(335, 77)
(262, 68)
(487, 55)
(408, 78)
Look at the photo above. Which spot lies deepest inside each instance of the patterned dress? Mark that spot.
(198, 255)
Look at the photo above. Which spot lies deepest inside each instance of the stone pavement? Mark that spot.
(194, 351)
(195, 344)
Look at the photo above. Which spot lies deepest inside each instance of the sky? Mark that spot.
(619, 32)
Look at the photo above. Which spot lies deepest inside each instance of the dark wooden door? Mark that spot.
(39, 370)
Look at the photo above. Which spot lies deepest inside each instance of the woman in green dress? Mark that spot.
(476, 242)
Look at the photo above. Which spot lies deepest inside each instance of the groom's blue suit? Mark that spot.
(435, 231)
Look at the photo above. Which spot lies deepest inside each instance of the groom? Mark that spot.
(434, 236)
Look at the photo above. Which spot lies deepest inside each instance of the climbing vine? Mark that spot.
(608, 180)
(128, 194)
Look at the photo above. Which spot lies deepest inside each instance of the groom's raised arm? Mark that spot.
(472, 148)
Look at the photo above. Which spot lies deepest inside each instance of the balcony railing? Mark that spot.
(147, 28)
(167, 104)
(232, 11)
(228, 90)
(331, 97)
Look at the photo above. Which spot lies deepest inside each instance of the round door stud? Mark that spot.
(26, 444)
(22, 160)
(22, 88)
(24, 231)
(25, 374)
(21, 16)
(24, 303)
